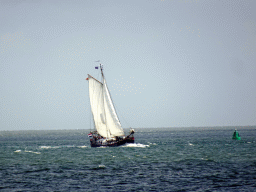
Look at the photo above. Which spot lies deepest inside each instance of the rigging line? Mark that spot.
(120, 112)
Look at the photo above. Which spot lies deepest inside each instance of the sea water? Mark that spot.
(161, 159)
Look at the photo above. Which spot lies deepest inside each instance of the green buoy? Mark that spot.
(236, 136)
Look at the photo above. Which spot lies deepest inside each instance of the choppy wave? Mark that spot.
(49, 147)
(99, 167)
(135, 145)
(61, 146)
(19, 151)
(152, 143)
(32, 152)
(209, 160)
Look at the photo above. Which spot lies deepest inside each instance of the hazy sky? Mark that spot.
(168, 63)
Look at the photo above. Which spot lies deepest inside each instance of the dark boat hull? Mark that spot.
(95, 142)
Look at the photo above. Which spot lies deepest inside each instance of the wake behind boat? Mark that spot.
(108, 129)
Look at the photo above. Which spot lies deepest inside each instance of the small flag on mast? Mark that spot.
(97, 67)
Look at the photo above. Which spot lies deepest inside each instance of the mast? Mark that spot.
(103, 81)
(101, 69)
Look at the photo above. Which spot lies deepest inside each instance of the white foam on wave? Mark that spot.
(152, 143)
(18, 151)
(32, 152)
(56, 147)
(63, 146)
(49, 147)
(135, 145)
(69, 146)
(190, 144)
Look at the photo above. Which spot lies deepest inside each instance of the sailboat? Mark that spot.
(108, 130)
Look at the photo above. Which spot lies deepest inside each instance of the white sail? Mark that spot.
(105, 118)
(112, 121)
(96, 101)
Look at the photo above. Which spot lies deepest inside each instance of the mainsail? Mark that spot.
(105, 118)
